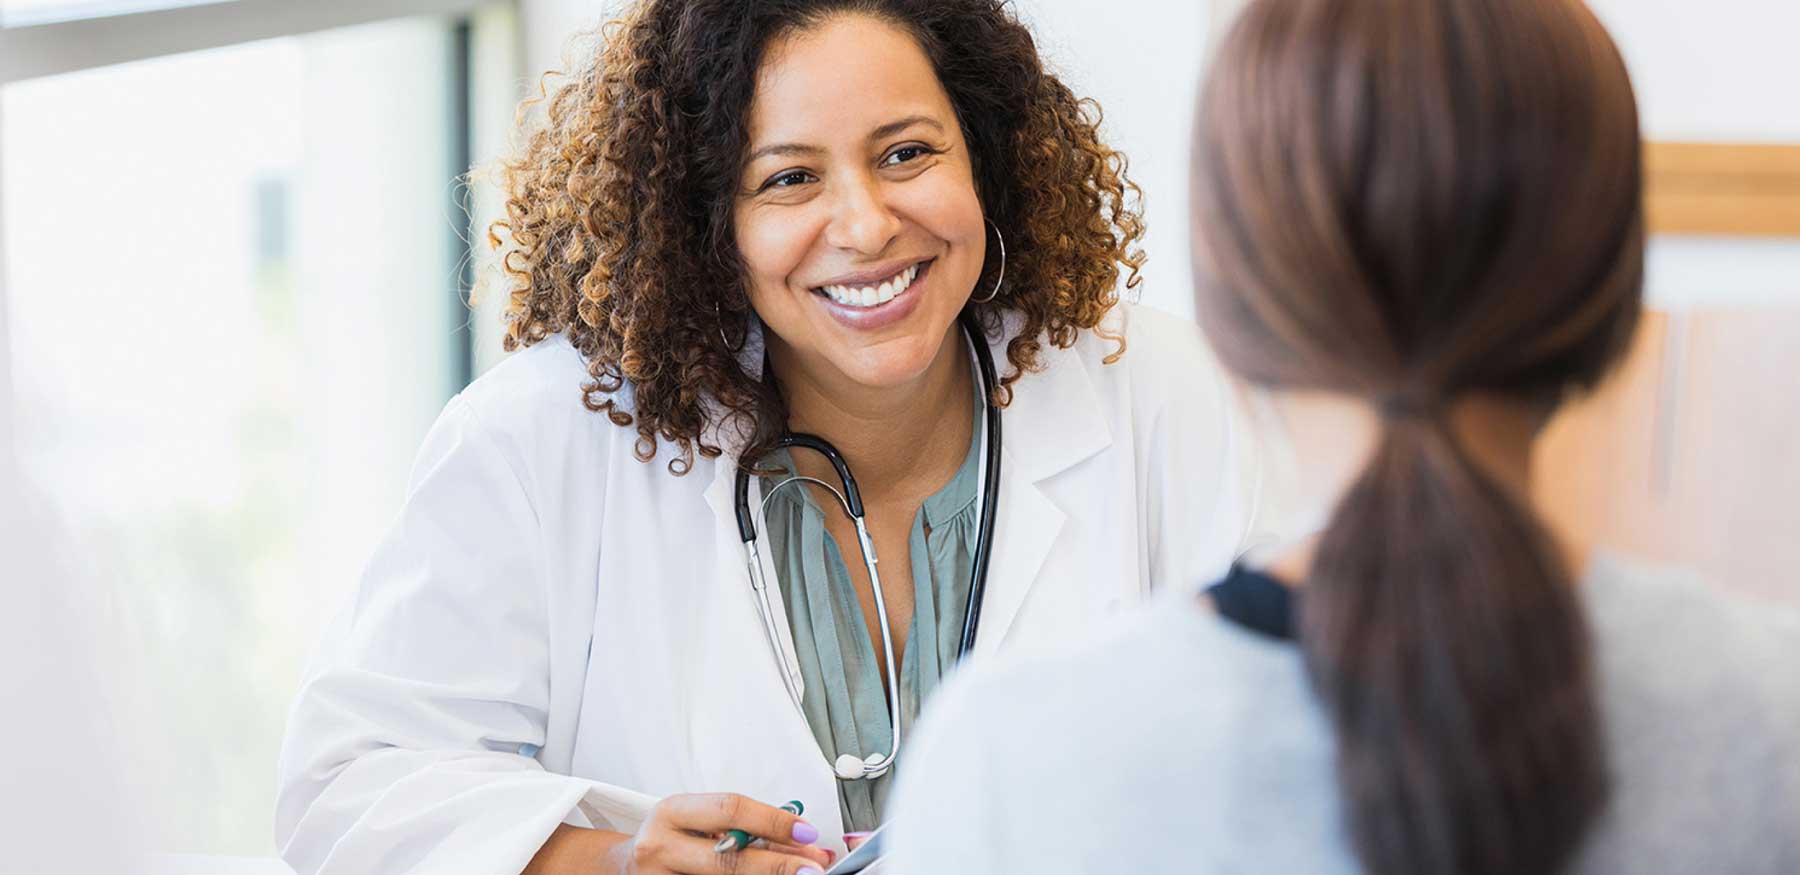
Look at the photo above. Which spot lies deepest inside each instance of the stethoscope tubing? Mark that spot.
(852, 504)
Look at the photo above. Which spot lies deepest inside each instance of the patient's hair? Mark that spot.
(1418, 201)
(619, 203)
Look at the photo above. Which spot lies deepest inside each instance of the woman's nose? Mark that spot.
(862, 221)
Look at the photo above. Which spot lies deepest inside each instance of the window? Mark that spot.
(233, 284)
(17, 12)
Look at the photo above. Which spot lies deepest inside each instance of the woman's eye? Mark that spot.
(905, 154)
(789, 179)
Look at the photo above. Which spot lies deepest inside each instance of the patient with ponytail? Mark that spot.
(1418, 231)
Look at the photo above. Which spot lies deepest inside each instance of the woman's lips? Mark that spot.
(883, 314)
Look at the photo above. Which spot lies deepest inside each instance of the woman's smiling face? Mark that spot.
(856, 216)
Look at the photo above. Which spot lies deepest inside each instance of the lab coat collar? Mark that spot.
(1054, 421)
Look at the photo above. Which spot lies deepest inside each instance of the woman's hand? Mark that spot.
(678, 838)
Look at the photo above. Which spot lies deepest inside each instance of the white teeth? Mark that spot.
(869, 296)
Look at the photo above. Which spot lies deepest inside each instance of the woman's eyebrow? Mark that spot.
(783, 149)
(880, 133)
(895, 127)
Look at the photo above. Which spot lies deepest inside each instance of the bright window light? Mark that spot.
(233, 315)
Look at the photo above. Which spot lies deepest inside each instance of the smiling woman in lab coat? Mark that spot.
(745, 219)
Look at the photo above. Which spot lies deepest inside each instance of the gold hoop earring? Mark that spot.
(1002, 277)
(719, 319)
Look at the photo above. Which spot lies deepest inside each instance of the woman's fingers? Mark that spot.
(682, 833)
(823, 856)
(698, 858)
(718, 813)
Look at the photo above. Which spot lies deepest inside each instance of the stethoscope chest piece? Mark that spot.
(851, 767)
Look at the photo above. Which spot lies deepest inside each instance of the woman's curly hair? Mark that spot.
(619, 204)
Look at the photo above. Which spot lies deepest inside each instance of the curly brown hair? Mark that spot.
(619, 204)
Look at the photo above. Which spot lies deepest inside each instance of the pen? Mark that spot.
(737, 839)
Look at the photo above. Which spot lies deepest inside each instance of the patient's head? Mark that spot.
(1419, 199)
(1431, 208)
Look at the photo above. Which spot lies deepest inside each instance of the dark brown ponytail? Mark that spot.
(1421, 202)
(1444, 638)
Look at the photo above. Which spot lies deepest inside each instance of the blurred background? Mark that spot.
(235, 281)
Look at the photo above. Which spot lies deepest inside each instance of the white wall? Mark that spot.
(1714, 70)
(547, 26)
(1141, 59)
(1721, 70)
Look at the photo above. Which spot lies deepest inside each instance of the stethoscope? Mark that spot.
(849, 766)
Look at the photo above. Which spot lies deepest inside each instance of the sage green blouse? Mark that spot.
(845, 703)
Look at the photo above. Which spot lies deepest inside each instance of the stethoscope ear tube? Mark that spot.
(990, 486)
(852, 495)
(740, 487)
(745, 519)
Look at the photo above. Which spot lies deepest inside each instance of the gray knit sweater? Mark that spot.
(1186, 743)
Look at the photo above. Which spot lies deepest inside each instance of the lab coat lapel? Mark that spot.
(750, 738)
(1024, 531)
(782, 760)
(721, 497)
(1053, 423)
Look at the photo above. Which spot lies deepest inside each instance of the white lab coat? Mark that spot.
(554, 631)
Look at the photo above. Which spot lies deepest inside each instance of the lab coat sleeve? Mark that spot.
(1195, 457)
(403, 749)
